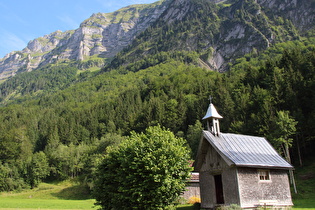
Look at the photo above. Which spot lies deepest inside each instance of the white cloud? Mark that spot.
(69, 22)
(137, 2)
(141, 1)
(9, 15)
(10, 42)
(109, 6)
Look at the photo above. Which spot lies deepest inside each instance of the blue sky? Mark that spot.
(22, 20)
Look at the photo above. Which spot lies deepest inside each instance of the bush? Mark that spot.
(147, 171)
(194, 199)
(10, 179)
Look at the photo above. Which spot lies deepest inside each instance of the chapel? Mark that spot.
(240, 169)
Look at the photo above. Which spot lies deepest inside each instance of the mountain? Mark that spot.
(219, 30)
(102, 34)
(222, 31)
(64, 116)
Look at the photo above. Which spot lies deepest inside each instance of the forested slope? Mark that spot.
(60, 129)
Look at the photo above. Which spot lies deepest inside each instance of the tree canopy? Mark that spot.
(74, 122)
(147, 171)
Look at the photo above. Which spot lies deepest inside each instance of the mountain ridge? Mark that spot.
(103, 34)
(220, 30)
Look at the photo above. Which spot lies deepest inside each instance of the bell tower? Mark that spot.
(212, 117)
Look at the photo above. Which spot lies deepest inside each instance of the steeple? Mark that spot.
(212, 117)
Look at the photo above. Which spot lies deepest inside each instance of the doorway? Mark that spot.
(219, 189)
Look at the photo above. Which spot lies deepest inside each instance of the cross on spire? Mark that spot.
(210, 98)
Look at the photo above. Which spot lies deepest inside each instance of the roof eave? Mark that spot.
(265, 166)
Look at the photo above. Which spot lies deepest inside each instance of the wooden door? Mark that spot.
(219, 189)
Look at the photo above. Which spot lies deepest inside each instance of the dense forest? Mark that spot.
(56, 122)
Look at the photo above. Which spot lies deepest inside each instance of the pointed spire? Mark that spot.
(212, 114)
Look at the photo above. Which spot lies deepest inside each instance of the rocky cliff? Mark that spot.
(103, 34)
(300, 12)
(221, 30)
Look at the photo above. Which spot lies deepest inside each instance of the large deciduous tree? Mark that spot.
(146, 171)
(286, 127)
(38, 169)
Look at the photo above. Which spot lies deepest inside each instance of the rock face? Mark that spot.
(241, 26)
(245, 25)
(102, 34)
(300, 12)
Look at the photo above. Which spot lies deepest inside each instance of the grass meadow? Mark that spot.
(68, 195)
(63, 195)
(305, 181)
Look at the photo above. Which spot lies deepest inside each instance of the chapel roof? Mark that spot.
(243, 151)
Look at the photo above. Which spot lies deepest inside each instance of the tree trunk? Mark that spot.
(287, 155)
(299, 149)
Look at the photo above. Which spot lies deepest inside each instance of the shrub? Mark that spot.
(147, 171)
(194, 199)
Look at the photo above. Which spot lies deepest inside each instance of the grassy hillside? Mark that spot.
(69, 195)
(63, 195)
(305, 180)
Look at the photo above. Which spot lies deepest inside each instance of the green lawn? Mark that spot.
(65, 195)
(305, 181)
(14, 203)
(70, 196)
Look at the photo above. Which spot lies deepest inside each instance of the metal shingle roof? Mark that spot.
(247, 151)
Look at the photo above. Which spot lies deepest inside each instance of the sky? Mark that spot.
(24, 20)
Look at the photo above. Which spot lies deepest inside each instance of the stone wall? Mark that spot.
(230, 187)
(192, 190)
(207, 190)
(254, 192)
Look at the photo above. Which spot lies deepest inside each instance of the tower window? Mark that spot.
(264, 175)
